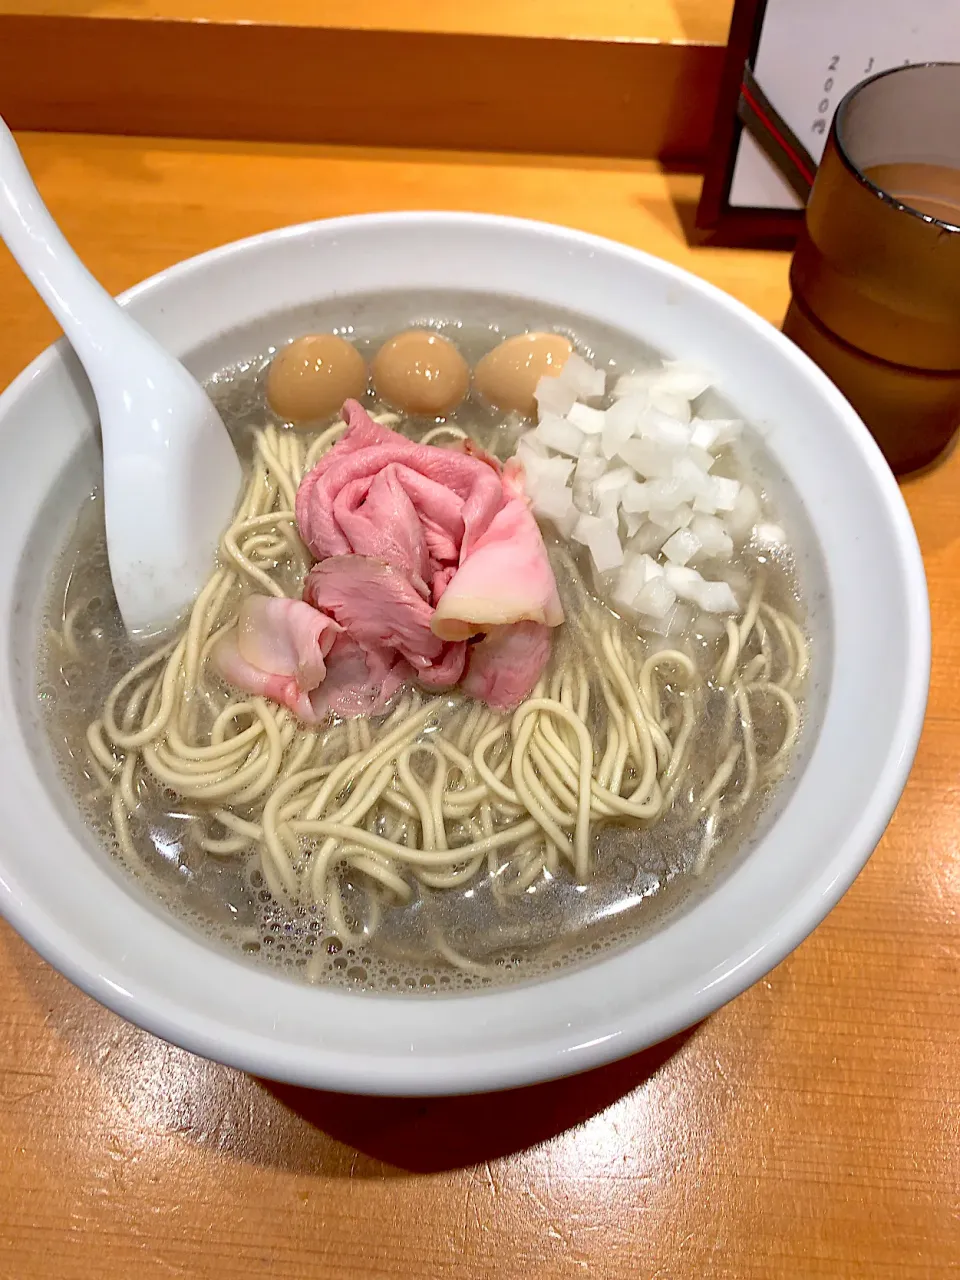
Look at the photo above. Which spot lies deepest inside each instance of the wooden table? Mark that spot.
(808, 1129)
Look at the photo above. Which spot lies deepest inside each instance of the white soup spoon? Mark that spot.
(171, 476)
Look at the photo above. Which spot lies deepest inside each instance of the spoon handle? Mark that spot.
(85, 311)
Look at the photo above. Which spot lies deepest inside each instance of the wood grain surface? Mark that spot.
(275, 80)
(809, 1129)
(693, 21)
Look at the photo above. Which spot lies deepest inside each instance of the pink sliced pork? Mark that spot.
(418, 550)
(505, 666)
(506, 578)
(429, 503)
(278, 650)
(377, 606)
(359, 681)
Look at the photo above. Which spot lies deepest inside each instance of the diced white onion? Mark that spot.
(647, 458)
(653, 567)
(564, 526)
(607, 507)
(613, 481)
(628, 409)
(584, 528)
(586, 381)
(743, 514)
(681, 546)
(668, 402)
(702, 457)
(561, 435)
(637, 573)
(684, 379)
(717, 494)
(715, 542)
(695, 479)
(635, 497)
(619, 424)
(590, 421)
(666, 494)
(589, 469)
(675, 623)
(657, 426)
(678, 620)
(554, 396)
(583, 498)
(603, 540)
(714, 597)
(724, 492)
(634, 484)
(552, 501)
(685, 582)
(769, 535)
(717, 597)
(528, 440)
(649, 538)
(540, 470)
(713, 434)
(632, 576)
(674, 377)
(634, 384)
(672, 517)
(656, 598)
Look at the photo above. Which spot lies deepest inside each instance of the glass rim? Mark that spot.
(839, 119)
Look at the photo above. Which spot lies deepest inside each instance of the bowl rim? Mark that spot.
(777, 937)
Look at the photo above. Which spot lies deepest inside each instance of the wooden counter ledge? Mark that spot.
(629, 79)
(677, 21)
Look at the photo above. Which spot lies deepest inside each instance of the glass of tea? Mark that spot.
(875, 278)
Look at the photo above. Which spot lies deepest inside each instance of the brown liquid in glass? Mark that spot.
(933, 189)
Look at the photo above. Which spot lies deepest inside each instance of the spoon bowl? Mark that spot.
(171, 476)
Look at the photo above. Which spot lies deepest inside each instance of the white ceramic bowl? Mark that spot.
(73, 905)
